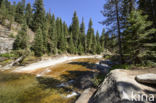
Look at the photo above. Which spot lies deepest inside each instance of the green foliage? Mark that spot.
(39, 15)
(21, 41)
(55, 34)
(80, 49)
(38, 43)
(71, 48)
(136, 36)
(8, 55)
(75, 29)
(90, 34)
(121, 66)
(19, 17)
(52, 42)
(29, 15)
(97, 80)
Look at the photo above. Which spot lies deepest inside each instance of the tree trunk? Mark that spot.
(119, 32)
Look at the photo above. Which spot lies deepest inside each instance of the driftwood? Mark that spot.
(18, 60)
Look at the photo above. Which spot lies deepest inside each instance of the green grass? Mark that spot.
(24, 88)
(8, 55)
(122, 66)
(98, 79)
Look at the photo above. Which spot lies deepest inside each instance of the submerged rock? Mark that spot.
(104, 66)
(72, 95)
(146, 78)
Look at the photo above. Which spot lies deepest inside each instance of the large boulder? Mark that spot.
(146, 78)
(120, 86)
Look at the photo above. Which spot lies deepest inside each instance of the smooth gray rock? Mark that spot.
(146, 78)
(6, 44)
(120, 86)
(104, 66)
(86, 95)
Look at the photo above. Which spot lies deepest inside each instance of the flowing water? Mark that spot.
(54, 84)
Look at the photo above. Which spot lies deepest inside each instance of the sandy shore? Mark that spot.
(50, 62)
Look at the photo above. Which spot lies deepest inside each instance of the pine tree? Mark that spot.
(3, 11)
(71, 48)
(90, 34)
(82, 39)
(58, 30)
(75, 29)
(80, 49)
(39, 15)
(98, 48)
(52, 42)
(38, 43)
(19, 17)
(66, 34)
(102, 40)
(136, 37)
(29, 15)
(21, 41)
(45, 35)
(113, 14)
(94, 45)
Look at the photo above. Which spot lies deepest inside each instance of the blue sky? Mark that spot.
(85, 8)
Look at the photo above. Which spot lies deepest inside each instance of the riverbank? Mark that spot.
(50, 62)
(62, 83)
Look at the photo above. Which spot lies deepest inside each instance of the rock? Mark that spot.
(108, 62)
(6, 39)
(146, 78)
(86, 82)
(6, 44)
(66, 84)
(104, 68)
(120, 86)
(3, 59)
(86, 95)
(72, 95)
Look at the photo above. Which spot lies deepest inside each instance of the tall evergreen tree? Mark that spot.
(112, 11)
(90, 34)
(102, 40)
(94, 45)
(136, 37)
(29, 15)
(98, 48)
(82, 39)
(39, 15)
(75, 29)
(52, 42)
(20, 12)
(38, 43)
(66, 35)
(71, 48)
(3, 11)
(80, 49)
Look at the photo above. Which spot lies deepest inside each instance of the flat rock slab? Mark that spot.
(86, 95)
(146, 78)
(120, 86)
